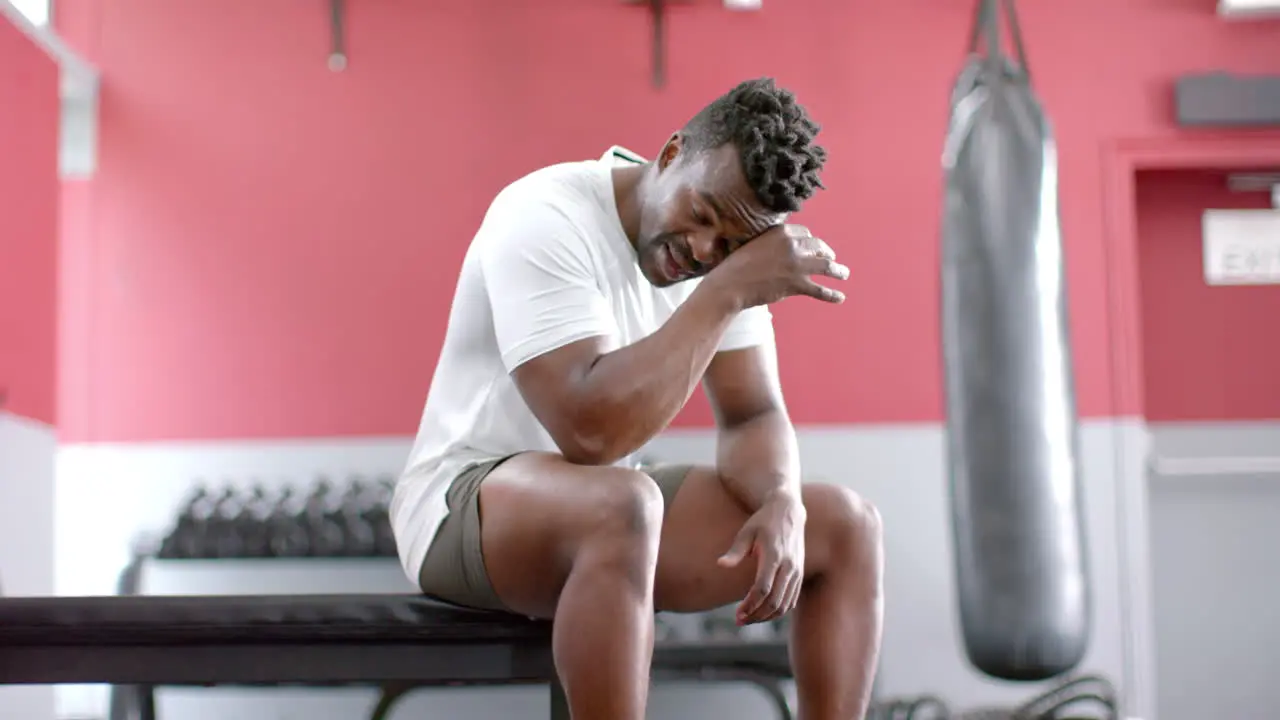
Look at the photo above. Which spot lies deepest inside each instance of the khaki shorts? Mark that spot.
(454, 568)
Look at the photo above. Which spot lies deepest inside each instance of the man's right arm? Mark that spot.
(601, 405)
(598, 401)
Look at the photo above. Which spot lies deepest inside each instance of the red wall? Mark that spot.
(1210, 353)
(272, 247)
(28, 225)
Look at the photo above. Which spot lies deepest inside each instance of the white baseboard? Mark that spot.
(27, 450)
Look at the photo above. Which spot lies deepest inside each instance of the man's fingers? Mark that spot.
(793, 591)
(775, 603)
(821, 292)
(760, 589)
(815, 247)
(824, 266)
(820, 249)
(787, 601)
(739, 550)
(795, 578)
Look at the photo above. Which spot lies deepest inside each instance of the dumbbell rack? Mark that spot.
(324, 520)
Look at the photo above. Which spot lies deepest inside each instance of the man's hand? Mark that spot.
(777, 264)
(774, 536)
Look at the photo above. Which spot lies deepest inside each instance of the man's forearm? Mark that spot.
(632, 394)
(758, 459)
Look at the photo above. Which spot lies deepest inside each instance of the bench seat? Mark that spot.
(391, 641)
(229, 619)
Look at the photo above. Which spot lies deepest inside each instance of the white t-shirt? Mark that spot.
(550, 265)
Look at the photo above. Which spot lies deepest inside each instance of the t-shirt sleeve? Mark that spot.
(750, 328)
(541, 283)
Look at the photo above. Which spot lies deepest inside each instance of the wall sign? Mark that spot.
(1241, 247)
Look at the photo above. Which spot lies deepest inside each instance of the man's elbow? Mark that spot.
(771, 416)
(588, 449)
(589, 440)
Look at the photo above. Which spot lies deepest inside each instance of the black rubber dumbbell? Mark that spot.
(357, 536)
(287, 532)
(183, 541)
(326, 535)
(224, 538)
(252, 524)
(378, 516)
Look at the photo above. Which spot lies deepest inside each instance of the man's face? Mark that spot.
(699, 209)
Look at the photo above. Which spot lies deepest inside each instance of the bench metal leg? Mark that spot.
(771, 685)
(773, 688)
(391, 695)
(146, 702)
(559, 702)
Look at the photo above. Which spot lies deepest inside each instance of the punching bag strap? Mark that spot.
(986, 26)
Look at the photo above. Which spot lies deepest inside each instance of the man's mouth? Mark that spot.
(670, 266)
(674, 265)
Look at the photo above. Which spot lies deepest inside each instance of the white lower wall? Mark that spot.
(109, 495)
(1214, 500)
(27, 450)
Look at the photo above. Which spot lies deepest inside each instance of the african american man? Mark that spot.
(593, 300)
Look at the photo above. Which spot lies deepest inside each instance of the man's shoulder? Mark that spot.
(541, 216)
(567, 183)
(564, 200)
(571, 185)
(562, 211)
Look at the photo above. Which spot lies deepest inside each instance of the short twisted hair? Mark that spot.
(774, 137)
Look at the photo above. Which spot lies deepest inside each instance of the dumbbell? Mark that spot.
(287, 534)
(224, 539)
(252, 524)
(184, 540)
(377, 515)
(359, 539)
(326, 536)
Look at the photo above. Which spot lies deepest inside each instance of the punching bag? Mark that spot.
(1011, 423)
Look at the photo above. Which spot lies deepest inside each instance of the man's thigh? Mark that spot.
(536, 511)
(533, 510)
(701, 521)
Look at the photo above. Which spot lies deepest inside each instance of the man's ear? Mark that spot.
(670, 151)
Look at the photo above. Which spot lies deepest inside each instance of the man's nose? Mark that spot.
(705, 247)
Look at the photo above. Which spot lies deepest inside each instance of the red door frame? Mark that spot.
(1121, 161)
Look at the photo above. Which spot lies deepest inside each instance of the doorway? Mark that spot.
(1211, 399)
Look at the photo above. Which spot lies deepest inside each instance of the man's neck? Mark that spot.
(628, 182)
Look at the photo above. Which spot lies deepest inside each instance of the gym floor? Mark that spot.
(227, 256)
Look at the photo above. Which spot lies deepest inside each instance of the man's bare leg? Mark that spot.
(579, 544)
(836, 630)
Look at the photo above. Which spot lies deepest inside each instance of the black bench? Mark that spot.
(394, 642)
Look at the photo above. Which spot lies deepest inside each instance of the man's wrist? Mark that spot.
(787, 494)
(720, 293)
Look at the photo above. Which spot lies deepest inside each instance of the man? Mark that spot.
(593, 300)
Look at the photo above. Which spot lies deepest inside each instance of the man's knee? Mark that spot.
(629, 504)
(625, 522)
(846, 521)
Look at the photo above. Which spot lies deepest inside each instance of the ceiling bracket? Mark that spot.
(658, 53)
(658, 43)
(337, 37)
